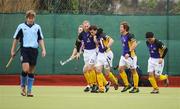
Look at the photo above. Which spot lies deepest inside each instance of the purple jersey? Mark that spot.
(126, 43)
(103, 41)
(87, 40)
(155, 49)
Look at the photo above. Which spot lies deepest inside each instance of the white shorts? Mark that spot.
(105, 59)
(90, 56)
(154, 66)
(131, 62)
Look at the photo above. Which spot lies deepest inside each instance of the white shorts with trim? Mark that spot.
(154, 66)
(131, 62)
(90, 56)
(105, 59)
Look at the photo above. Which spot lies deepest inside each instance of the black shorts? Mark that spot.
(29, 55)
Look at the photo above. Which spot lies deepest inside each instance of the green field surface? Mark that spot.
(67, 97)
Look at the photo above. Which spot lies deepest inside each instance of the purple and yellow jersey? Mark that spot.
(127, 41)
(103, 41)
(157, 49)
(87, 40)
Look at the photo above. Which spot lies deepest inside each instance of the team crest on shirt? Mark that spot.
(123, 39)
(88, 40)
(152, 51)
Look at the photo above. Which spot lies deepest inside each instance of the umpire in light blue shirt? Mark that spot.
(30, 36)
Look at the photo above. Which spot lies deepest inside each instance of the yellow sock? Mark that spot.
(124, 78)
(87, 77)
(90, 78)
(153, 82)
(112, 78)
(135, 79)
(93, 77)
(163, 77)
(100, 77)
(104, 80)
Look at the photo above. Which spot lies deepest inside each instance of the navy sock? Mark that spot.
(23, 73)
(23, 78)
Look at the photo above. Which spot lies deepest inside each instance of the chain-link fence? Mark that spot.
(128, 7)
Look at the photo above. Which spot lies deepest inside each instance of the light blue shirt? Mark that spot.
(29, 35)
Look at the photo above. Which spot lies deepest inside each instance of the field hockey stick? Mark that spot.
(12, 57)
(67, 60)
(70, 59)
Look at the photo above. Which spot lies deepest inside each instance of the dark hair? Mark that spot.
(93, 27)
(125, 25)
(99, 31)
(149, 34)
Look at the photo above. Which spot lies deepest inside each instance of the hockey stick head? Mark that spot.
(61, 63)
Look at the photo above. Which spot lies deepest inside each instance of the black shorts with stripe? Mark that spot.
(29, 55)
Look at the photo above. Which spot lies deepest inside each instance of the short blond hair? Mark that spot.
(86, 21)
(80, 26)
(30, 12)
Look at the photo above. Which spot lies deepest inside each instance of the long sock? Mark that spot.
(100, 77)
(124, 78)
(163, 77)
(153, 82)
(104, 80)
(93, 77)
(112, 78)
(135, 79)
(87, 77)
(30, 82)
(23, 78)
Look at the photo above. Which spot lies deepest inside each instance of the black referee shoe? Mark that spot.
(30, 95)
(23, 91)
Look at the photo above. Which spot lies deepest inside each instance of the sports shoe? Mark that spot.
(23, 91)
(134, 90)
(100, 91)
(87, 89)
(107, 86)
(116, 86)
(155, 91)
(30, 94)
(126, 88)
(94, 89)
